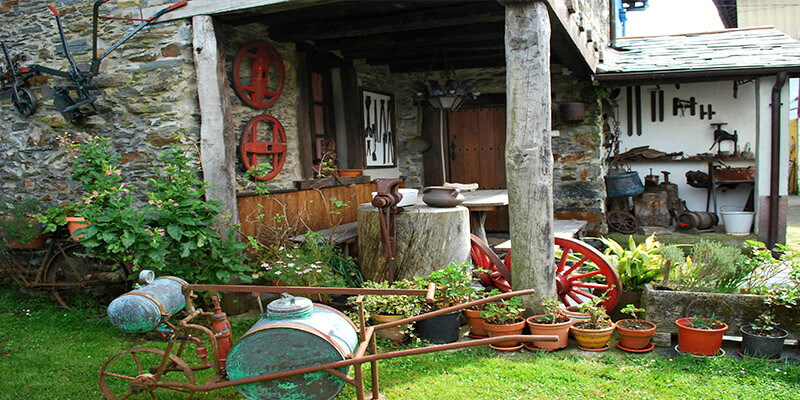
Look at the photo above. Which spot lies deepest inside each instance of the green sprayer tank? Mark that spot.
(140, 310)
(295, 333)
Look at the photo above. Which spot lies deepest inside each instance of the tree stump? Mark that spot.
(428, 239)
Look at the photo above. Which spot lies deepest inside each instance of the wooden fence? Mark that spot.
(269, 216)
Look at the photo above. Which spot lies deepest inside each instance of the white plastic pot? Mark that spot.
(737, 222)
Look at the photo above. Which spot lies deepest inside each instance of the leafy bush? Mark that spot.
(637, 265)
(316, 262)
(711, 266)
(18, 221)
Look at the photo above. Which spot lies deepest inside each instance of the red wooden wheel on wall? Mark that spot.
(582, 272)
(267, 74)
(273, 150)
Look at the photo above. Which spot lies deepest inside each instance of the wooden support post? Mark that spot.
(217, 141)
(529, 157)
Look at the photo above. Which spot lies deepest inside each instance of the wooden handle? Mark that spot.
(431, 292)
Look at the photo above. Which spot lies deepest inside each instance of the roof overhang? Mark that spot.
(688, 76)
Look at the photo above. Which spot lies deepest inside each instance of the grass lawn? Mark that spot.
(49, 353)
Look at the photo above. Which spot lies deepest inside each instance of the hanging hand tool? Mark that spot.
(653, 106)
(382, 128)
(629, 108)
(389, 137)
(375, 135)
(638, 111)
(661, 106)
(710, 113)
(368, 129)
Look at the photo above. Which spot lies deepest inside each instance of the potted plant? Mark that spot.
(763, 338)
(503, 319)
(594, 333)
(19, 227)
(635, 334)
(390, 308)
(699, 335)
(473, 314)
(553, 322)
(453, 286)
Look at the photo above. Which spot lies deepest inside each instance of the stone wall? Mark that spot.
(594, 17)
(148, 83)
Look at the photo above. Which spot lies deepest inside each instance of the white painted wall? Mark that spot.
(748, 114)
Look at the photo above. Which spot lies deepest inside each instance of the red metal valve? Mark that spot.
(257, 92)
(250, 147)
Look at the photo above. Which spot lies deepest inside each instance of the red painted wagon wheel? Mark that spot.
(257, 92)
(582, 272)
(275, 149)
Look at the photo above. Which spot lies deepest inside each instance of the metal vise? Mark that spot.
(721, 136)
(386, 201)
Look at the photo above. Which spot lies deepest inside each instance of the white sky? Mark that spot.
(665, 17)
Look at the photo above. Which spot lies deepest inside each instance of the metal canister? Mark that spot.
(140, 310)
(295, 333)
(697, 220)
(624, 184)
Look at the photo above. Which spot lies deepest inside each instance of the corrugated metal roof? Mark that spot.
(732, 49)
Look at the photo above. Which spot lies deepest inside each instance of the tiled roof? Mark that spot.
(732, 49)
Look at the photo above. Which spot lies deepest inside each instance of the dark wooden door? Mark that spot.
(476, 144)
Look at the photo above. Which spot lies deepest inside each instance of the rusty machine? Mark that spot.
(75, 101)
(298, 349)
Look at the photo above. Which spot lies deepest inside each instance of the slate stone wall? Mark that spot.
(148, 83)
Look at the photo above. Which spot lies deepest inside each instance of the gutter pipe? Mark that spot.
(774, 197)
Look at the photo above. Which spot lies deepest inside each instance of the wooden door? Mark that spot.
(476, 144)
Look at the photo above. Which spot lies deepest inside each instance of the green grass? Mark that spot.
(49, 353)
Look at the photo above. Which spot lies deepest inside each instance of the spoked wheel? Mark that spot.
(622, 221)
(27, 103)
(584, 273)
(133, 374)
(69, 271)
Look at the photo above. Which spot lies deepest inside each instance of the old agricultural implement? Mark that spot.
(75, 101)
(582, 272)
(297, 350)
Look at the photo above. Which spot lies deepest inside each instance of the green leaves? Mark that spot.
(638, 264)
(175, 231)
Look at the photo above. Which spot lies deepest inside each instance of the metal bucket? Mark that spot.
(624, 184)
(140, 310)
(295, 333)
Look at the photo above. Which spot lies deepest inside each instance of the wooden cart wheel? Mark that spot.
(622, 221)
(582, 272)
(69, 271)
(132, 374)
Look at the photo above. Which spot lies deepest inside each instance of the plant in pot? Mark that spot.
(635, 334)
(763, 338)
(19, 228)
(638, 265)
(700, 336)
(503, 318)
(594, 333)
(473, 314)
(389, 308)
(453, 286)
(553, 322)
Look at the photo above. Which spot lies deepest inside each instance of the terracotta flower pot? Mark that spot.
(592, 339)
(75, 223)
(700, 342)
(394, 334)
(349, 173)
(37, 243)
(505, 330)
(476, 328)
(635, 339)
(561, 330)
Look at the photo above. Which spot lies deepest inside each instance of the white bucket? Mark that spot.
(737, 222)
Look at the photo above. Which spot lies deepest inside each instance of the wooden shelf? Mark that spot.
(688, 159)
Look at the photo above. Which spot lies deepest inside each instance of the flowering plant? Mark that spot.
(313, 263)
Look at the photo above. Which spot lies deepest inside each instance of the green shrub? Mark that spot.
(637, 265)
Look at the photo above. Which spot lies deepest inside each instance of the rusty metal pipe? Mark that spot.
(448, 310)
(360, 360)
(309, 290)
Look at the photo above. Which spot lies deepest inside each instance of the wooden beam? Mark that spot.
(400, 22)
(461, 64)
(529, 157)
(216, 125)
(427, 37)
(492, 44)
(437, 58)
(563, 20)
(214, 7)
(305, 147)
